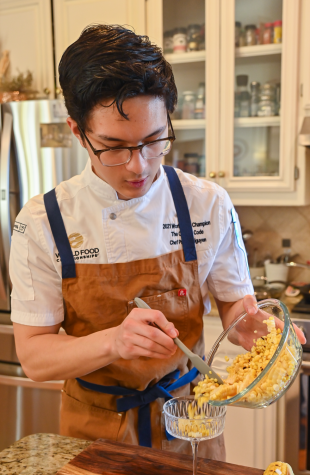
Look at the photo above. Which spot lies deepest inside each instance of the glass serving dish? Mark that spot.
(206, 424)
(282, 368)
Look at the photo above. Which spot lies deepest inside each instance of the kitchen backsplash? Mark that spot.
(271, 224)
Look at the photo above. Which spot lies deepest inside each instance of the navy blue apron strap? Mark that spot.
(142, 399)
(181, 207)
(59, 234)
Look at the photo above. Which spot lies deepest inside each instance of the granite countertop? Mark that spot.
(40, 454)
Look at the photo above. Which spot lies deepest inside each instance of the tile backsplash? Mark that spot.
(271, 224)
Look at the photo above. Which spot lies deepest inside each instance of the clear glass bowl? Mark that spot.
(274, 375)
(204, 426)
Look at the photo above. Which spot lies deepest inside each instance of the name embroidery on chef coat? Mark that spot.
(175, 233)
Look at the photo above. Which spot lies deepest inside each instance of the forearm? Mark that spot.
(229, 311)
(55, 356)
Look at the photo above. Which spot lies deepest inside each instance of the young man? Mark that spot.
(125, 228)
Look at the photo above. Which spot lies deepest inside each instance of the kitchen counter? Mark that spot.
(40, 454)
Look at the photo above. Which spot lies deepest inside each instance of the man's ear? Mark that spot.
(75, 130)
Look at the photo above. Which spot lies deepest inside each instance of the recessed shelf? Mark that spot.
(257, 121)
(258, 50)
(189, 124)
(190, 57)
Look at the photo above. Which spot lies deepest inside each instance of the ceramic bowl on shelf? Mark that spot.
(280, 369)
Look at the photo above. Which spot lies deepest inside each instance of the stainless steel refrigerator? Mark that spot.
(37, 151)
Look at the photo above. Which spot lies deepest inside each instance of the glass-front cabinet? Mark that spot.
(236, 65)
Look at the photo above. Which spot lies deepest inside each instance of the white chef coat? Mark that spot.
(105, 230)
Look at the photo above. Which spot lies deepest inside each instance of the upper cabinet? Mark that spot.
(72, 16)
(238, 69)
(26, 31)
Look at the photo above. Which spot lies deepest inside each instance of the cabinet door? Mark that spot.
(258, 128)
(72, 16)
(26, 31)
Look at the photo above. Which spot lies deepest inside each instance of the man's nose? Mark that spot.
(137, 163)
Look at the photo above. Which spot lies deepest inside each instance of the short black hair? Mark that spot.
(112, 62)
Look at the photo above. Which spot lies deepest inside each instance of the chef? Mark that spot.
(126, 227)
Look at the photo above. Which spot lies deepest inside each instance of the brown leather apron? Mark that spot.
(100, 296)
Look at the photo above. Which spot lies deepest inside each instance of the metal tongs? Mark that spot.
(202, 367)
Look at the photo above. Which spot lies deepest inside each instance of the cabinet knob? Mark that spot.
(46, 91)
(212, 175)
(221, 174)
(58, 90)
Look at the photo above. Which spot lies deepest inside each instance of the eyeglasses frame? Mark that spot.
(138, 147)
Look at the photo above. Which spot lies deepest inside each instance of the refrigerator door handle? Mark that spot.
(28, 383)
(5, 156)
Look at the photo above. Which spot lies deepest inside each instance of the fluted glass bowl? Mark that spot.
(282, 368)
(203, 426)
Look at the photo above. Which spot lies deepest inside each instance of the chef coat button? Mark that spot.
(112, 216)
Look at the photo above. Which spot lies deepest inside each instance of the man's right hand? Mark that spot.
(135, 337)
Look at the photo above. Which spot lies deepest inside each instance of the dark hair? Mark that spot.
(112, 62)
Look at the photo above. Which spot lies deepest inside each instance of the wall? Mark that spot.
(272, 224)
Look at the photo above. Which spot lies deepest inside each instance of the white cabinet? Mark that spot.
(250, 434)
(255, 157)
(26, 31)
(72, 16)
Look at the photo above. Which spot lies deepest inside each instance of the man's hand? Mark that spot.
(243, 333)
(135, 337)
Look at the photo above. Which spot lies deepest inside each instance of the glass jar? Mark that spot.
(200, 102)
(267, 103)
(243, 95)
(237, 32)
(254, 101)
(277, 31)
(188, 108)
(179, 40)
(193, 37)
(168, 42)
(268, 34)
(250, 35)
(202, 44)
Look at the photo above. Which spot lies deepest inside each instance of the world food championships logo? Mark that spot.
(76, 240)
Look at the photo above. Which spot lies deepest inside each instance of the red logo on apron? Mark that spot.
(182, 293)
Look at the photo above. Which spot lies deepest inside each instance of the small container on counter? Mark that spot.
(250, 35)
(179, 40)
(268, 34)
(191, 163)
(255, 87)
(188, 107)
(277, 31)
(267, 103)
(168, 42)
(193, 37)
(237, 32)
(200, 102)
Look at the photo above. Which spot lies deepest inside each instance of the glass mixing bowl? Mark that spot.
(282, 368)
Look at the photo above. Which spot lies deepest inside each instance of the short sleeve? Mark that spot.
(36, 297)
(229, 278)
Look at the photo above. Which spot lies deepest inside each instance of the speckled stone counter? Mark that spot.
(40, 454)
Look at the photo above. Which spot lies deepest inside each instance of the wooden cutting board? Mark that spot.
(114, 458)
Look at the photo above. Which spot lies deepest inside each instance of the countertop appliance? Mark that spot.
(37, 151)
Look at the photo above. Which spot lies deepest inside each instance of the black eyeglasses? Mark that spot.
(115, 156)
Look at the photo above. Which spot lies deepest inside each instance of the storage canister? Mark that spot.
(188, 108)
(250, 35)
(267, 103)
(179, 40)
(168, 42)
(277, 31)
(193, 37)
